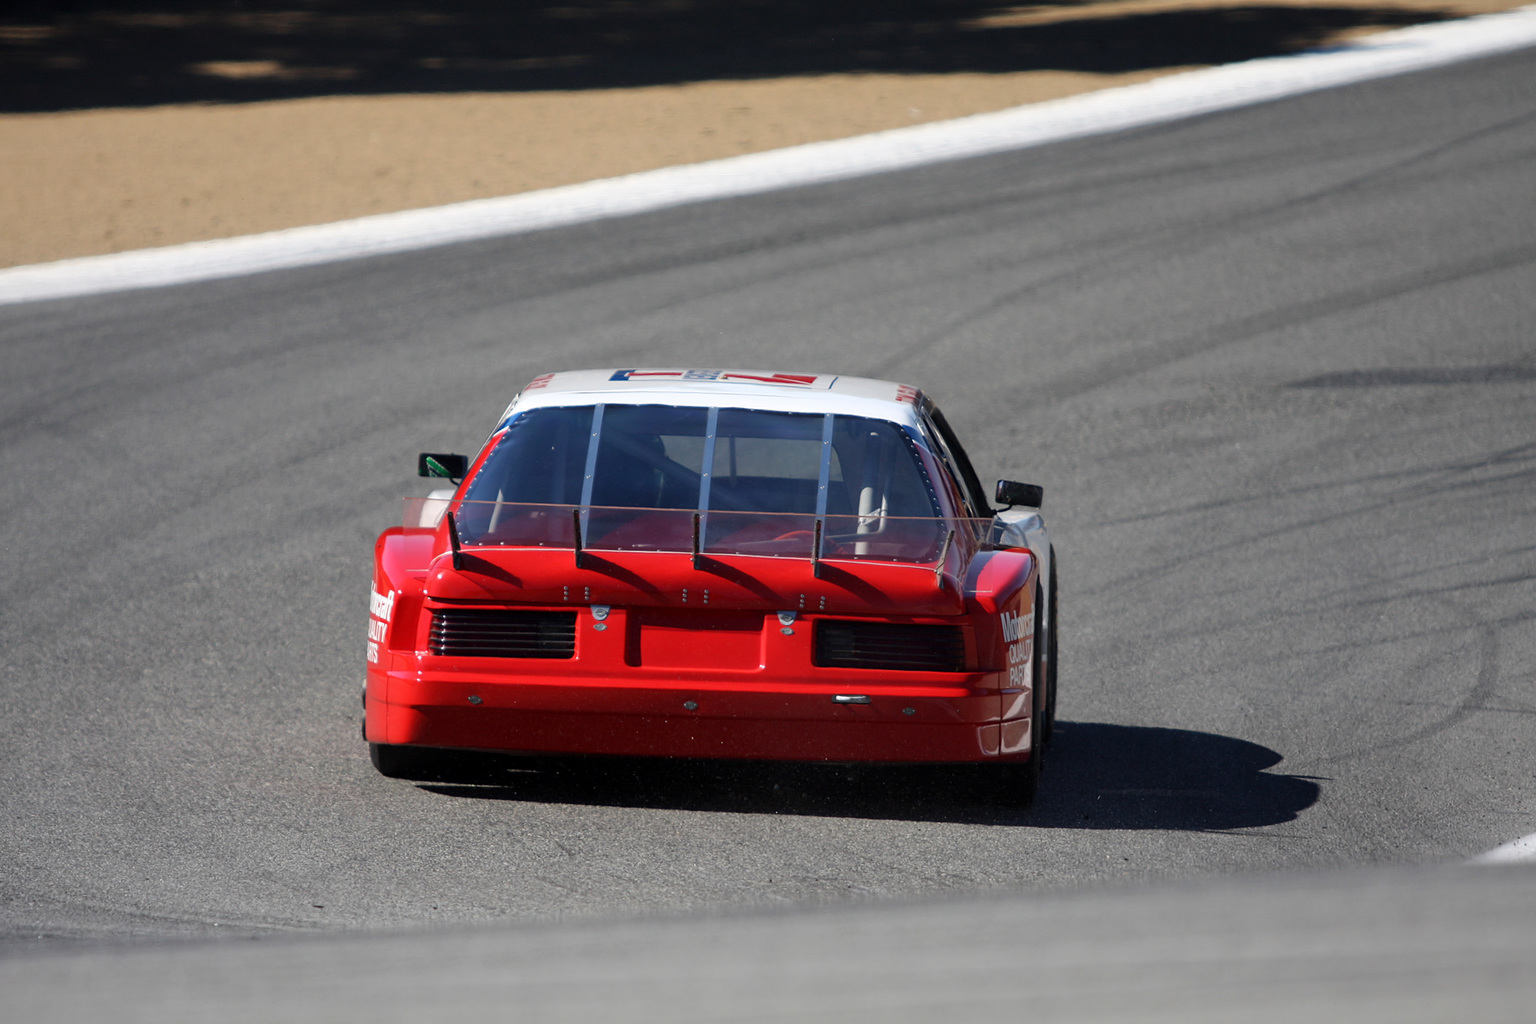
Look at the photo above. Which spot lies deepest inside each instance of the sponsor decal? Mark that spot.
(1019, 635)
(802, 380)
(1016, 628)
(541, 381)
(380, 608)
(906, 393)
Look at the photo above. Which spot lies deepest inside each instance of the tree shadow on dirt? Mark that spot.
(1097, 777)
(73, 54)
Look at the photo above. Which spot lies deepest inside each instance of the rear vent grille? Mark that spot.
(889, 645)
(491, 633)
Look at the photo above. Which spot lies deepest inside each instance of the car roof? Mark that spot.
(736, 389)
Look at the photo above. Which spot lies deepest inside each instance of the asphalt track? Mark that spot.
(1276, 370)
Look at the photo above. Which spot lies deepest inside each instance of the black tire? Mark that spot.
(1019, 781)
(1051, 663)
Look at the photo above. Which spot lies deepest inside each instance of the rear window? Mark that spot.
(669, 457)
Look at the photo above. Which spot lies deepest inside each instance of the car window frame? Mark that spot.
(956, 462)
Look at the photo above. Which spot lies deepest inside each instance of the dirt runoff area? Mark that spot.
(191, 165)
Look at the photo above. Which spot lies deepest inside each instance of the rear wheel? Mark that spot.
(1050, 657)
(1020, 781)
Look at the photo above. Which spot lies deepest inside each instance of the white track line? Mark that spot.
(1110, 110)
(1520, 849)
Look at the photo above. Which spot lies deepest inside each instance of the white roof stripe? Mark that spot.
(737, 389)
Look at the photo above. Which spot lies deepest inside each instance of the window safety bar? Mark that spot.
(938, 568)
(453, 541)
(576, 534)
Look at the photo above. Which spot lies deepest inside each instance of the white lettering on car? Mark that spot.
(1016, 628)
(1019, 635)
(380, 608)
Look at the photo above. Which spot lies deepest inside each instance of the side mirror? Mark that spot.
(1011, 492)
(437, 464)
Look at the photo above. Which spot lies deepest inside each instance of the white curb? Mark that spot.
(1520, 849)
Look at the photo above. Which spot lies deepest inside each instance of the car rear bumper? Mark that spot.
(872, 718)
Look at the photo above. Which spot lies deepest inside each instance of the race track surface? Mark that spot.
(1274, 367)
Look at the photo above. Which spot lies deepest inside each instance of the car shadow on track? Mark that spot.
(1097, 776)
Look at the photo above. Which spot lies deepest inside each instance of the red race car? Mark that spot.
(715, 564)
